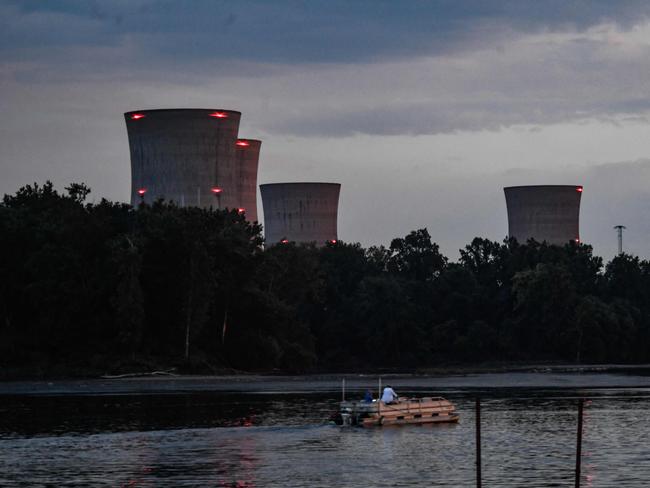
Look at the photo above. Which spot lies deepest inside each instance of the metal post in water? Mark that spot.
(478, 443)
(379, 399)
(581, 404)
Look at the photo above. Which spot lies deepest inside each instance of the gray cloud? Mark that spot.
(292, 32)
(542, 79)
(445, 118)
(377, 67)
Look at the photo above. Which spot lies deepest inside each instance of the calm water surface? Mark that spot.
(268, 439)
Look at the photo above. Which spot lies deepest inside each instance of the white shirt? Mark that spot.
(388, 395)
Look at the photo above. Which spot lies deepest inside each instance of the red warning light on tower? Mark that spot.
(284, 241)
(241, 210)
(243, 143)
(137, 116)
(219, 115)
(216, 190)
(142, 191)
(579, 189)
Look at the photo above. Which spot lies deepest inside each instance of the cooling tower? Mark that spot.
(185, 155)
(300, 212)
(544, 212)
(247, 157)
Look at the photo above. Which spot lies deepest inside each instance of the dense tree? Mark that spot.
(103, 287)
(416, 256)
(545, 299)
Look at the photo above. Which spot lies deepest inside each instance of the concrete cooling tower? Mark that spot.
(247, 157)
(548, 213)
(191, 157)
(300, 212)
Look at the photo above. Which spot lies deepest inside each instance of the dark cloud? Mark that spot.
(191, 43)
(424, 118)
(450, 117)
(296, 31)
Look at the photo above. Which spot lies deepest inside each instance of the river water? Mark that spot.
(275, 433)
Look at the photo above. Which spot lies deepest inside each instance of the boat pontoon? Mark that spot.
(405, 411)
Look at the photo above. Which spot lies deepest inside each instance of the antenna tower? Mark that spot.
(619, 229)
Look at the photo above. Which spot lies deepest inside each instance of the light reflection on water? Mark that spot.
(188, 440)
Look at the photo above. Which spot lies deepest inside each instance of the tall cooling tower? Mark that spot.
(300, 212)
(185, 155)
(248, 156)
(548, 213)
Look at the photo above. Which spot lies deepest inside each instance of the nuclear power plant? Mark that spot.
(300, 212)
(549, 213)
(193, 158)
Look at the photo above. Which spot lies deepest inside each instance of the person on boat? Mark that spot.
(368, 397)
(389, 395)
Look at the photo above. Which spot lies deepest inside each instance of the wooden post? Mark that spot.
(581, 404)
(478, 443)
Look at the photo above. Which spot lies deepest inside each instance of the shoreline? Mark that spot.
(70, 374)
(597, 376)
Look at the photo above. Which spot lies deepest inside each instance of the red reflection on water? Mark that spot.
(138, 481)
(243, 475)
(589, 479)
(242, 422)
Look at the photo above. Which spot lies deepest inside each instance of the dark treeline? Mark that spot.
(108, 287)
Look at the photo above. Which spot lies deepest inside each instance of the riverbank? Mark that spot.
(156, 369)
(532, 376)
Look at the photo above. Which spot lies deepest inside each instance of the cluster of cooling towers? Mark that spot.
(194, 157)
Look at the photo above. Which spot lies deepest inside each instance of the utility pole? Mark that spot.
(620, 228)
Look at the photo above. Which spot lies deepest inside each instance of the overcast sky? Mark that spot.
(422, 110)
